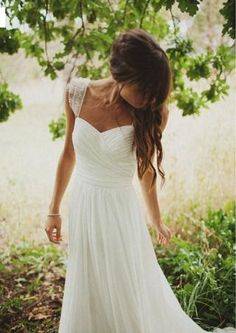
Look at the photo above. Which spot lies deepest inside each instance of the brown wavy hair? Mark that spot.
(136, 58)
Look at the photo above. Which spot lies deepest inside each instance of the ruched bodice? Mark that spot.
(103, 158)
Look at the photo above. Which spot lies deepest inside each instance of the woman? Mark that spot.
(114, 283)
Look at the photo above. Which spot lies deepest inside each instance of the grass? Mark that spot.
(32, 280)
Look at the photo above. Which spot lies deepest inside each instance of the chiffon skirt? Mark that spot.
(113, 282)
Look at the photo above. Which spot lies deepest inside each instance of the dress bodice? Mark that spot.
(102, 158)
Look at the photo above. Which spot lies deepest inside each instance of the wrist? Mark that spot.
(53, 209)
(156, 219)
(54, 212)
(157, 223)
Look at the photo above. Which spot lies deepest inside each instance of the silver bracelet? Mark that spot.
(56, 214)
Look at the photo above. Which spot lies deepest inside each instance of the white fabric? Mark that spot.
(113, 283)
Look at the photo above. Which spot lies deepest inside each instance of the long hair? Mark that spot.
(136, 58)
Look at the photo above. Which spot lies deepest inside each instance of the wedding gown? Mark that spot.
(113, 281)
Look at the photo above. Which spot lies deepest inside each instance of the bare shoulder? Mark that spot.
(165, 117)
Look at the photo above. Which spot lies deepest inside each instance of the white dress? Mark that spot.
(113, 281)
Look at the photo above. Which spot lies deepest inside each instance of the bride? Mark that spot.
(113, 282)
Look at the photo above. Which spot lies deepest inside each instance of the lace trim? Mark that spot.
(76, 90)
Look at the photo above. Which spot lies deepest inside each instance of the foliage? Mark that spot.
(10, 42)
(228, 11)
(9, 102)
(192, 67)
(190, 7)
(85, 30)
(31, 290)
(57, 128)
(201, 269)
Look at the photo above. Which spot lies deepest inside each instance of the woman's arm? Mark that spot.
(151, 197)
(63, 173)
(66, 162)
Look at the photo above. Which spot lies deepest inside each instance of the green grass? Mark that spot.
(32, 280)
(200, 267)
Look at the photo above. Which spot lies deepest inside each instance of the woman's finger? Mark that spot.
(50, 235)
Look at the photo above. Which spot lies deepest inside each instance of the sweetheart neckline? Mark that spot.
(103, 132)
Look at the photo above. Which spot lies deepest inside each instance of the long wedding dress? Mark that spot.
(113, 282)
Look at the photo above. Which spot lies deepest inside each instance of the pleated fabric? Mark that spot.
(113, 282)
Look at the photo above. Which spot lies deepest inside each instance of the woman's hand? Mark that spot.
(164, 233)
(53, 229)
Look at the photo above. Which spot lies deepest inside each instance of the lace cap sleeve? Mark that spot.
(76, 89)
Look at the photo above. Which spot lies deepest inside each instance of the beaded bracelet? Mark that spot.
(54, 214)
